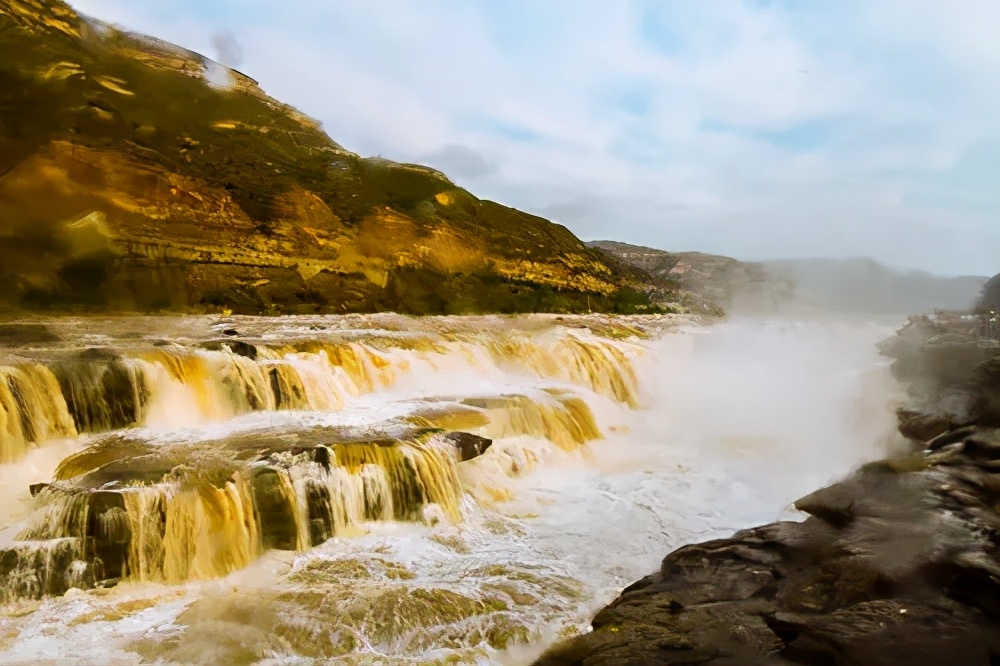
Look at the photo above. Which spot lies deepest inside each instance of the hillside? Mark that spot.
(707, 279)
(130, 182)
(861, 286)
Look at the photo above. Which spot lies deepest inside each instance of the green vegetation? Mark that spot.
(129, 183)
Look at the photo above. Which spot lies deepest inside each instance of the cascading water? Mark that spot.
(384, 491)
(177, 385)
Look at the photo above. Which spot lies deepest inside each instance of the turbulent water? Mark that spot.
(368, 490)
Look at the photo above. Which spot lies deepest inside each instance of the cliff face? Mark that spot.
(129, 181)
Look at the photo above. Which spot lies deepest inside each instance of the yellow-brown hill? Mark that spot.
(128, 182)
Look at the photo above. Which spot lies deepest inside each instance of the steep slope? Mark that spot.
(128, 181)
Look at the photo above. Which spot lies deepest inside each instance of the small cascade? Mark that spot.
(103, 395)
(126, 510)
(287, 387)
(31, 570)
(208, 531)
(555, 415)
(32, 410)
(177, 385)
(365, 368)
(599, 364)
(325, 387)
(563, 419)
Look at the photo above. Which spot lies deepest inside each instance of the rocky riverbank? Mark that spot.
(898, 563)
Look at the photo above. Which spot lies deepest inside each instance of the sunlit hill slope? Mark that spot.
(128, 181)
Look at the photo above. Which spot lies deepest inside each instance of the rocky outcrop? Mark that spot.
(137, 175)
(897, 564)
(950, 366)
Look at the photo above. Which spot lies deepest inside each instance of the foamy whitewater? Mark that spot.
(608, 451)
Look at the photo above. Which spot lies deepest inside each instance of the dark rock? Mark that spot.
(899, 565)
(923, 427)
(951, 371)
(238, 347)
(99, 354)
(230, 331)
(19, 335)
(469, 446)
(989, 297)
(277, 516)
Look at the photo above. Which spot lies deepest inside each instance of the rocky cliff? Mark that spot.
(136, 175)
(897, 564)
(707, 281)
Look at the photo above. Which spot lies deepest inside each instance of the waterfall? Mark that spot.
(131, 506)
(176, 384)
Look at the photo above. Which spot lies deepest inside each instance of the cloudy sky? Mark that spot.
(757, 129)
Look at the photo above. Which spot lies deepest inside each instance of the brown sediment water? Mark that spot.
(386, 489)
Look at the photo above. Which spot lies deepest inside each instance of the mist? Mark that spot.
(859, 287)
(767, 409)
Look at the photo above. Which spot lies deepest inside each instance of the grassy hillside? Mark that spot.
(128, 182)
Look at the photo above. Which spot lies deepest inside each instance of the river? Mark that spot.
(291, 495)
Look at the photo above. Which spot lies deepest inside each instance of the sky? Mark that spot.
(759, 129)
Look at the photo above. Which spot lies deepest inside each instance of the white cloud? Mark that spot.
(765, 129)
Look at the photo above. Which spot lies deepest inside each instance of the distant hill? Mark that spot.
(864, 285)
(861, 286)
(131, 180)
(710, 280)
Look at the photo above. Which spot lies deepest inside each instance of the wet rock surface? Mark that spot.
(897, 564)
(950, 367)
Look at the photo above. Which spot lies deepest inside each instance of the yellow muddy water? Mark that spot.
(384, 489)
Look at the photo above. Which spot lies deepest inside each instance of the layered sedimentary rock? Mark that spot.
(136, 175)
(899, 563)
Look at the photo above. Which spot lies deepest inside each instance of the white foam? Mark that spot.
(737, 422)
